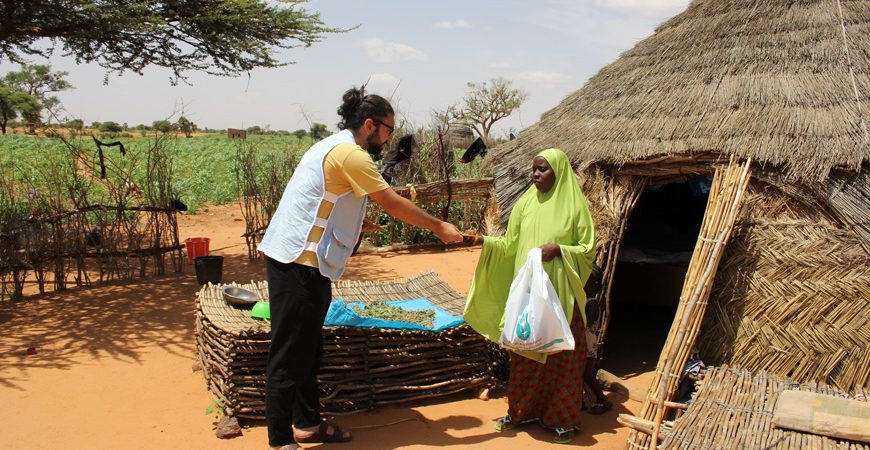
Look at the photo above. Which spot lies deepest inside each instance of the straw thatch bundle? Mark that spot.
(362, 368)
(734, 409)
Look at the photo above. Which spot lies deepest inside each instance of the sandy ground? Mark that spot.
(113, 366)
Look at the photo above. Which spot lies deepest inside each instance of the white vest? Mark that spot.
(287, 234)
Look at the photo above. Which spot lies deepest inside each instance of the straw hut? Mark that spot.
(782, 84)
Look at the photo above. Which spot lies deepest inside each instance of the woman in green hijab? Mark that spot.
(553, 215)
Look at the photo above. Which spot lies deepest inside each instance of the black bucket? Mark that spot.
(209, 269)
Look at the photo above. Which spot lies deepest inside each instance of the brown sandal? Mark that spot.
(322, 435)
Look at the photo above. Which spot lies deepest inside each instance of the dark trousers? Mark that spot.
(299, 298)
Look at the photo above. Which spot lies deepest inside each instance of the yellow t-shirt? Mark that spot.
(347, 167)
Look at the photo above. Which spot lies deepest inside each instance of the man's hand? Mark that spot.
(368, 225)
(448, 233)
(402, 209)
(550, 251)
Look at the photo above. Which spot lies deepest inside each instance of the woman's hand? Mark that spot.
(469, 238)
(550, 251)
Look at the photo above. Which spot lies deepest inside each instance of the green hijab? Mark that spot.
(558, 216)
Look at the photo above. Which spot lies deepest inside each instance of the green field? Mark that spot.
(203, 167)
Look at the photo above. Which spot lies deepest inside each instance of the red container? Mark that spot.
(196, 246)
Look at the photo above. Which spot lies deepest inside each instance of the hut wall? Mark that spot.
(792, 295)
(611, 198)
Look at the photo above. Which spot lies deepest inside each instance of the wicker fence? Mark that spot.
(90, 245)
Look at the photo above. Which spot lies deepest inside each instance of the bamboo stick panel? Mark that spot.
(733, 409)
(724, 202)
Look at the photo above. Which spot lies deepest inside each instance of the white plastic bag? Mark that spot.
(533, 317)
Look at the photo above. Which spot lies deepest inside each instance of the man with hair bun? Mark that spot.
(307, 244)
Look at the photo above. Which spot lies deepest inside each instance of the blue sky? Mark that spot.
(420, 54)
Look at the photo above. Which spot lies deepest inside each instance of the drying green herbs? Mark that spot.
(384, 311)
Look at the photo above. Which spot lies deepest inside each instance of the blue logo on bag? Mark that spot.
(523, 328)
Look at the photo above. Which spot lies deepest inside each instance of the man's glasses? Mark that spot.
(389, 128)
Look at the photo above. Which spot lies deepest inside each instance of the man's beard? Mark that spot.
(374, 149)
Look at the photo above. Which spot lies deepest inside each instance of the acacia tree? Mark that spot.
(75, 124)
(186, 126)
(318, 131)
(110, 127)
(13, 101)
(485, 104)
(219, 37)
(38, 81)
(162, 126)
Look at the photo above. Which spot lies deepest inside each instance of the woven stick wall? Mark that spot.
(733, 409)
(362, 368)
(792, 296)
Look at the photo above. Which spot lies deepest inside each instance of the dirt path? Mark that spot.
(112, 368)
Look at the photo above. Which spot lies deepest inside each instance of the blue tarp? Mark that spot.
(341, 314)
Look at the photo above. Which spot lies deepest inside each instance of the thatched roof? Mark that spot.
(785, 82)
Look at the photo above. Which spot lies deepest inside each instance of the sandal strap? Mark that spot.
(564, 435)
(322, 434)
(336, 430)
(504, 423)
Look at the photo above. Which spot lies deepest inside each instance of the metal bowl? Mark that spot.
(235, 295)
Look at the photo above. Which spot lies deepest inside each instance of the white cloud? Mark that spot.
(645, 8)
(544, 79)
(387, 52)
(447, 25)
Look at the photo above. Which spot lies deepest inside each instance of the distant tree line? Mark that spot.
(317, 131)
(183, 125)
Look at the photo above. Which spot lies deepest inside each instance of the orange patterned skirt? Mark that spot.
(553, 392)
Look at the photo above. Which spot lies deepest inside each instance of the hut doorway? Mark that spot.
(653, 259)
